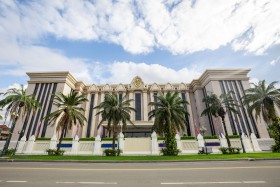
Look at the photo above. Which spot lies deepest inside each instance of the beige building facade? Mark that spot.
(44, 84)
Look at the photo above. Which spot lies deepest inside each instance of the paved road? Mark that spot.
(237, 173)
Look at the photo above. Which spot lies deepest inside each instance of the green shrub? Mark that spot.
(160, 138)
(43, 139)
(233, 136)
(54, 152)
(230, 150)
(223, 150)
(275, 148)
(274, 131)
(10, 152)
(169, 152)
(112, 152)
(87, 139)
(187, 138)
(108, 139)
(211, 137)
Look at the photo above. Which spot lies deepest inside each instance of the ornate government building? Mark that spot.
(44, 84)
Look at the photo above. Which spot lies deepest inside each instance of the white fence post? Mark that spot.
(53, 142)
(178, 141)
(247, 144)
(223, 141)
(97, 146)
(154, 144)
(255, 143)
(21, 144)
(75, 145)
(30, 144)
(121, 141)
(200, 140)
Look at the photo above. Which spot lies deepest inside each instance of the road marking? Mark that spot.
(86, 182)
(97, 182)
(254, 182)
(142, 169)
(16, 181)
(220, 182)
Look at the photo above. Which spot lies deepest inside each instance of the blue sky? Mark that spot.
(103, 41)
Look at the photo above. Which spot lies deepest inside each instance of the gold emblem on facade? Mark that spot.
(137, 83)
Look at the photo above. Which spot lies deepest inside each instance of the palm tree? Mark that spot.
(263, 99)
(68, 113)
(17, 103)
(115, 112)
(218, 107)
(169, 114)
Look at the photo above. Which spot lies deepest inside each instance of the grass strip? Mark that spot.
(149, 158)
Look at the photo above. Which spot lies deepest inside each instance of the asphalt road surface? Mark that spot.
(202, 174)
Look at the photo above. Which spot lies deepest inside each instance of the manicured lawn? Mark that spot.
(149, 158)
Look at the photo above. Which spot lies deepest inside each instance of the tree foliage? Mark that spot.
(16, 103)
(169, 113)
(274, 130)
(218, 106)
(69, 112)
(263, 99)
(115, 112)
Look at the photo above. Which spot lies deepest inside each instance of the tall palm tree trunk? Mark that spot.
(61, 137)
(114, 138)
(224, 124)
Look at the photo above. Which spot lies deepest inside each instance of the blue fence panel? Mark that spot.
(108, 145)
(161, 144)
(65, 145)
(212, 144)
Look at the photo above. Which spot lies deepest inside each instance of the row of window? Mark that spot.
(138, 108)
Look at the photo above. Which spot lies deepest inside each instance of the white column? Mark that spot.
(223, 141)
(97, 146)
(53, 142)
(152, 100)
(247, 144)
(200, 141)
(75, 145)
(131, 96)
(121, 141)
(21, 144)
(30, 144)
(101, 100)
(145, 106)
(179, 143)
(255, 143)
(84, 132)
(155, 150)
(93, 121)
(191, 119)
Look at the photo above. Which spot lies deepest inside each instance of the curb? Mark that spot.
(135, 161)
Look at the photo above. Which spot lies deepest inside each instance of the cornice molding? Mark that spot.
(219, 74)
(204, 79)
(53, 77)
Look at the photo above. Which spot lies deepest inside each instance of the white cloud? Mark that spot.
(254, 80)
(124, 72)
(22, 59)
(141, 26)
(275, 61)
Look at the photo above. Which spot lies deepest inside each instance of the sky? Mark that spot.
(111, 41)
